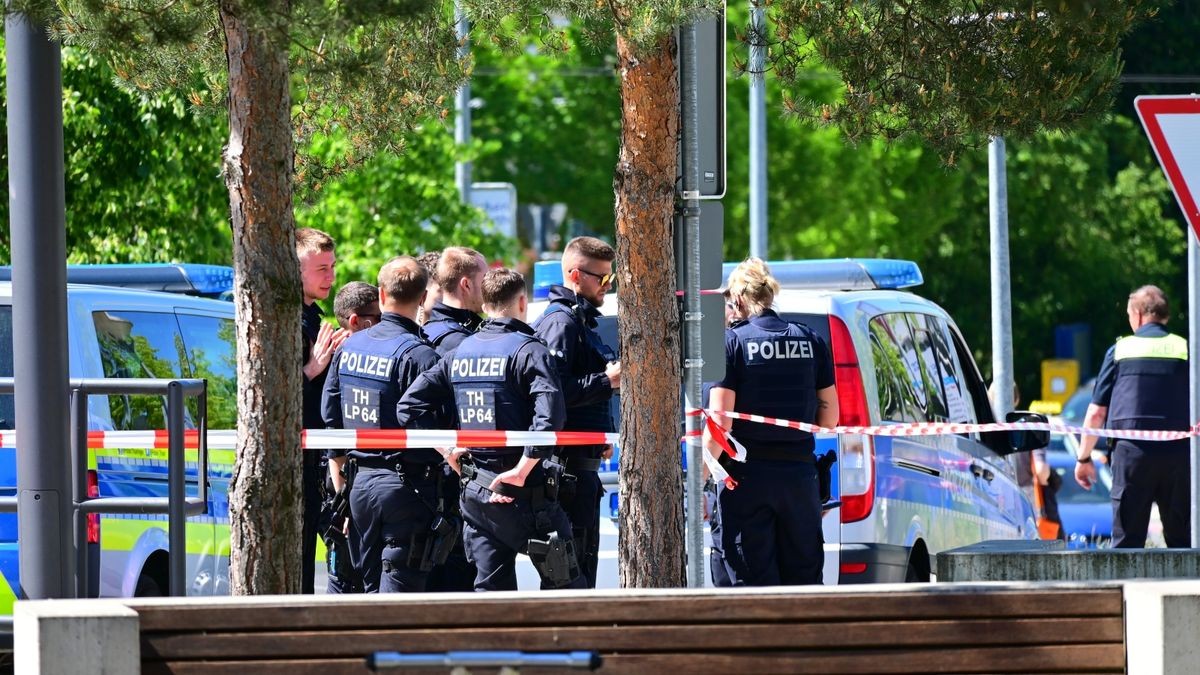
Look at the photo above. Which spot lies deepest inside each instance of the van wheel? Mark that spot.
(147, 587)
(918, 565)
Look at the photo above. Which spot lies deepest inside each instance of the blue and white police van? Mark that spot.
(162, 322)
(899, 359)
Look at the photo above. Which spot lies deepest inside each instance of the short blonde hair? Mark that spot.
(309, 240)
(752, 283)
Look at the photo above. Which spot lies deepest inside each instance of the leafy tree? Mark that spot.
(371, 68)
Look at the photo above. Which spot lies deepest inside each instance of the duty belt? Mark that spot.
(484, 478)
(412, 469)
(575, 465)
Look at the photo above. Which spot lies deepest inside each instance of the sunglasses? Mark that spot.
(604, 279)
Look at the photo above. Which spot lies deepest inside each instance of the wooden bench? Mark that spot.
(1014, 628)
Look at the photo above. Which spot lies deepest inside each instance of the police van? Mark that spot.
(899, 359)
(138, 331)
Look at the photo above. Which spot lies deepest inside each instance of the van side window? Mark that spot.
(138, 344)
(8, 413)
(212, 355)
(960, 409)
(937, 406)
(893, 377)
(973, 390)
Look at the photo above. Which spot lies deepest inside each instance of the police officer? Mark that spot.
(356, 307)
(770, 522)
(454, 317)
(393, 495)
(317, 258)
(1143, 384)
(590, 374)
(502, 378)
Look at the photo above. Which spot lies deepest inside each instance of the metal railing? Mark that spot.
(177, 505)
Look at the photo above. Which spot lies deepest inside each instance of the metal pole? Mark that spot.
(758, 132)
(176, 492)
(1002, 354)
(1194, 367)
(39, 284)
(462, 106)
(79, 468)
(689, 122)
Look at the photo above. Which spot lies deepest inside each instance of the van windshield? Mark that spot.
(8, 415)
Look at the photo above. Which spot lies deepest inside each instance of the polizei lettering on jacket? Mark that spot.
(472, 367)
(785, 348)
(366, 365)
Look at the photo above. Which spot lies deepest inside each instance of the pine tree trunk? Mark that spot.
(265, 498)
(651, 542)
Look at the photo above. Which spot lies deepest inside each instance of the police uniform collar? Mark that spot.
(506, 324)
(314, 309)
(767, 319)
(587, 311)
(402, 321)
(1152, 329)
(443, 312)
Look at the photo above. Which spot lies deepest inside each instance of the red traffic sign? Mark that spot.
(1173, 125)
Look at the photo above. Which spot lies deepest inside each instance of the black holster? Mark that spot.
(554, 558)
(339, 506)
(825, 475)
(431, 548)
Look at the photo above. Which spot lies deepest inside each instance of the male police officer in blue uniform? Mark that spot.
(454, 317)
(502, 378)
(590, 374)
(770, 523)
(460, 277)
(1143, 384)
(393, 495)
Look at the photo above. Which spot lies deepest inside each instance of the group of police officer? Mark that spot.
(421, 357)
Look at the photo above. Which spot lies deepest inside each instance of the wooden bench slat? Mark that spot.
(685, 638)
(549, 611)
(1085, 658)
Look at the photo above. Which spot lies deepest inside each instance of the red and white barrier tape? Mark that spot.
(349, 439)
(945, 428)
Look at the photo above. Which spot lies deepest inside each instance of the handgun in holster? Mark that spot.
(436, 544)
(554, 557)
(825, 475)
(339, 506)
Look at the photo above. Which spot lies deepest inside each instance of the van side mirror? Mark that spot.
(1024, 441)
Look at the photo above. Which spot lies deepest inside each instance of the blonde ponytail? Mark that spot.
(752, 284)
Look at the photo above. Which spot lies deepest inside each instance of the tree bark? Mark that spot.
(265, 498)
(651, 542)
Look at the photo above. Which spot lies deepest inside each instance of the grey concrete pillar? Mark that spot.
(1162, 624)
(76, 637)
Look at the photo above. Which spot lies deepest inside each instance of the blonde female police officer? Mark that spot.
(770, 523)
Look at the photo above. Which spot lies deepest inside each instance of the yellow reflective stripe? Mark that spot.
(7, 596)
(1134, 347)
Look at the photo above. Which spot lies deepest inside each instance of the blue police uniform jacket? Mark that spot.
(775, 368)
(1144, 383)
(370, 372)
(448, 326)
(568, 327)
(500, 378)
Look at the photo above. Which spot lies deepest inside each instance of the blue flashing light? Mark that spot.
(546, 273)
(186, 278)
(842, 274)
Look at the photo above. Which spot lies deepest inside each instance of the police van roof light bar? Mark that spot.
(842, 274)
(186, 278)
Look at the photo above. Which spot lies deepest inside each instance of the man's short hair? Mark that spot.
(403, 279)
(1152, 301)
(591, 247)
(501, 286)
(457, 262)
(309, 240)
(353, 298)
(429, 260)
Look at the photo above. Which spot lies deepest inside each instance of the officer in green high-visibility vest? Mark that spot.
(1143, 384)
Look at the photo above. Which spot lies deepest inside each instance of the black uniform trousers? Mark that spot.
(1142, 477)
(769, 530)
(493, 534)
(582, 504)
(313, 479)
(388, 507)
(457, 573)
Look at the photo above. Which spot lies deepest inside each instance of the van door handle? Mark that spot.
(976, 470)
(989, 475)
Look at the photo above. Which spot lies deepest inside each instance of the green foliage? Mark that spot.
(954, 71)
(143, 179)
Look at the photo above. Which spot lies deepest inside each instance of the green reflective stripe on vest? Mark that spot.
(1134, 347)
